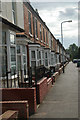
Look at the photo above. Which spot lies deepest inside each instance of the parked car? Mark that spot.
(75, 60)
(78, 63)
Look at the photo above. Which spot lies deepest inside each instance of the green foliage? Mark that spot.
(74, 51)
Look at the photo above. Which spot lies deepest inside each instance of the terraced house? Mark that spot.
(11, 22)
(27, 45)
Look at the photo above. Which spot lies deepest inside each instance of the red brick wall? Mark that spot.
(20, 106)
(49, 83)
(41, 89)
(26, 27)
(18, 94)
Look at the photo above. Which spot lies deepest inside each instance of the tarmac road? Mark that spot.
(62, 99)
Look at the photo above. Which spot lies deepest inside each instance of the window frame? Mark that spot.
(36, 28)
(29, 22)
(40, 32)
(14, 12)
(43, 35)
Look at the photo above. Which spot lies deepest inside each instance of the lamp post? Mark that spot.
(62, 41)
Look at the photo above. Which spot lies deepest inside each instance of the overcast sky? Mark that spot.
(53, 13)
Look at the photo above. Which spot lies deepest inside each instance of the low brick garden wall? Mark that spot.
(20, 106)
(49, 83)
(19, 94)
(41, 89)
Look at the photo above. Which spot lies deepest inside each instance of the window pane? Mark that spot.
(24, 69)
(12, 39)
(43, 54)
(18, 49)
(24, 59)
(13, 60)
(33, 54)
(39, 55)
(3, 37)
(18, 62)
(13, 5)
(13, 17)
(4, 61)
(46, 55)
(29, 19)
(23, 50)
(43, 35)
(36, 28)
(13, 12)
(46, 62)
(33, 64)
(40, 33)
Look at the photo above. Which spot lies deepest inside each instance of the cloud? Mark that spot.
(53, 13)
(69, 13)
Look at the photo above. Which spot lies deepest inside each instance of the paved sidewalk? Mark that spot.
(62, 99)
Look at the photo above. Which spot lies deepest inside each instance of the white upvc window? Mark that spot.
(39, 57)
(33, 60)
(22, 58)
(13, 53)
(33, 55)
(14, 12)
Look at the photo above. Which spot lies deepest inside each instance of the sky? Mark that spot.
(53, 13)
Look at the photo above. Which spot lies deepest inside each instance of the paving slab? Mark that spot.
(62, 99)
